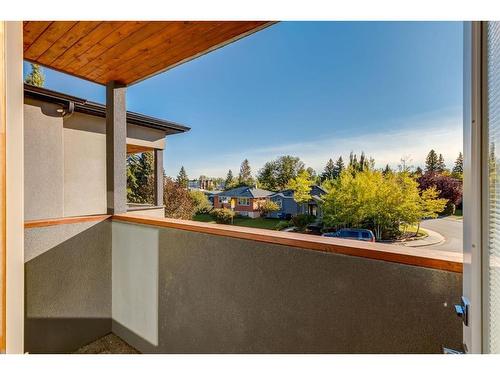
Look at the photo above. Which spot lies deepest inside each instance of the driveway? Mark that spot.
(452, 231)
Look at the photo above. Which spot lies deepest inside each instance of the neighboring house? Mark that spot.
(245, 200)
(289, 208)
(205, 183)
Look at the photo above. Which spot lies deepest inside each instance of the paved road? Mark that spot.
(451, 229)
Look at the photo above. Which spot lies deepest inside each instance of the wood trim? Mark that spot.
(3, 278)
(419, 257)
(64, 220)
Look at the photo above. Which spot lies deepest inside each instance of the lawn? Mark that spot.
(243, 221)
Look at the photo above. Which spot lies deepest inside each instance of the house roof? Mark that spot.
(246, 192)
(126, 51)
(288, 193)
(97, 109)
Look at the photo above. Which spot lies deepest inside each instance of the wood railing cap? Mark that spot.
(442, 260)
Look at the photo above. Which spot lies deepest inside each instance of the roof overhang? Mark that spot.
(126, 51)
(96, 109)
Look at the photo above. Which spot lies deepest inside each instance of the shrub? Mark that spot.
(302, 220)
(283, 224)
(222, 215)
(177, 201)
(267, 207)
(201, 203)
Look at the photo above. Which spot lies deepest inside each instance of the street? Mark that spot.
(450, 228)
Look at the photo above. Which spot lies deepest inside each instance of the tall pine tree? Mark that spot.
(329, 171)
(245, 176)
(339, 167)
(182, 178)
(431, 162)
(441, 167)
(36, 76)
(229, 180)
(458, 168)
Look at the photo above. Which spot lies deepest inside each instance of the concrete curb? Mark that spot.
(433, 238)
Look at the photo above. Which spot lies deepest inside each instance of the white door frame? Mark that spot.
(474, 186)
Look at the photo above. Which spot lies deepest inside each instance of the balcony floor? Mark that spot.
(109, 344)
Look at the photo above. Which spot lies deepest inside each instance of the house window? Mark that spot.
(243, 201)
(223, 199)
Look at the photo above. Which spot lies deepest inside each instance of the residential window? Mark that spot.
(243, 201)
(223, 199)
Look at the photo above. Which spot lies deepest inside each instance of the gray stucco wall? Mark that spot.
(43, 160)
(84, 165)
(65, 162)
(224, 295)
(67, 286)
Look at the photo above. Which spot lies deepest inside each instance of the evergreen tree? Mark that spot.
(458, 168)
(140, 178)
(431, 162)
(339, 167)
(441, 166)
(418, 172)
(36, 76)
(229, 180)
(329, 171)
(387, 169)
(245, 176)
(182, 178)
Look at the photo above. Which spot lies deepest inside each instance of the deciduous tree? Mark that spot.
(301, 186)
(178, 203)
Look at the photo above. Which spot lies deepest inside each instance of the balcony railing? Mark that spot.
(173, 286)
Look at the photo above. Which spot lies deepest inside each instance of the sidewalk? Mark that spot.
(433, 238)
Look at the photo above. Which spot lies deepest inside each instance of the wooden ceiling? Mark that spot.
(126, 51)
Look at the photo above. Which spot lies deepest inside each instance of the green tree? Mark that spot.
(35, 77)
(383, 203)
(387, 169)
(140, 178)
(229, 182)
(431, 162)
(200, 201)
(267, 207)
(245, 177)
(329, 171)
(276, 174)
(182, 178)
(301, 186)
(441, 166)
(339, 167)
(177, 200)
(430, 204)
(458, 168)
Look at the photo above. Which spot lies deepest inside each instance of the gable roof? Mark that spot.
(246, 192)
(316, 192)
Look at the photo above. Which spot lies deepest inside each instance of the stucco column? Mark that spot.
(116, 148)
(158, 177)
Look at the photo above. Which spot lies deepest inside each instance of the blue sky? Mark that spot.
(310, 89)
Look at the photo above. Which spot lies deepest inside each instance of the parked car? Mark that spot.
(352, 234)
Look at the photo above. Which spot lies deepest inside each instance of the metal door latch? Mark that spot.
(462, 310)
